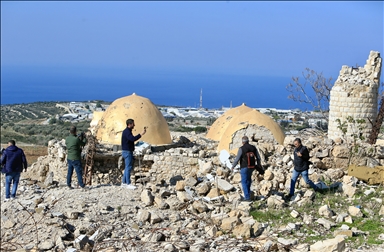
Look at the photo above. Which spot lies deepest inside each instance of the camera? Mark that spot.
(81, 136)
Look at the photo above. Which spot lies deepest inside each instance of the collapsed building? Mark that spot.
(162, 157)
(355, 95)
(179, 156)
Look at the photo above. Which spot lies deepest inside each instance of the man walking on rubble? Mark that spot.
(128, 146)
(74, 145)
(301, 165)
(13, 161)
(245, 172)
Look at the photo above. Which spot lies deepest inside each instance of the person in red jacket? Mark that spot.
(13, 161)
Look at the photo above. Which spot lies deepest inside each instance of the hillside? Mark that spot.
(31, 123)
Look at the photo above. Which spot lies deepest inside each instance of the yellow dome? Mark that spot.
(142, 111)
(96, 118)
(263, 125)
(220, 125)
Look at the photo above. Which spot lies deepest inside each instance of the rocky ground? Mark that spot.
(177, 218)
(200, 208)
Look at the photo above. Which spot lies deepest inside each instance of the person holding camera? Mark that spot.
(128, 147)
(13, 161)
(74, 145)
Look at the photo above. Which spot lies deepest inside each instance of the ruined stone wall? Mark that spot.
(172, 163)
(355, 94)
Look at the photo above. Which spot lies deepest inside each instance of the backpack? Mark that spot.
(251, 160)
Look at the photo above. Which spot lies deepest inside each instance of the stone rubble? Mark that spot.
(190, 201)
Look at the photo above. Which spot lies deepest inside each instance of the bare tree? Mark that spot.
(300, 91)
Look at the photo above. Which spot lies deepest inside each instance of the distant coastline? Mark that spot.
(27, 85)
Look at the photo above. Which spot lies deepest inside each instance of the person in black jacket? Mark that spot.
(13, 161)
(128, 146)
(245, 172)
(301, 166)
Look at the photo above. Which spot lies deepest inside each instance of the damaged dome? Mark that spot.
(244, 121)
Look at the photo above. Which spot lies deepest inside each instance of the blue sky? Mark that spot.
(149, 40)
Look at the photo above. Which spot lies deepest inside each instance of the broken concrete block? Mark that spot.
(331, 245)
(224, 185)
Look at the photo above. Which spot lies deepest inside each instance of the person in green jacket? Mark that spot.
(74, 145)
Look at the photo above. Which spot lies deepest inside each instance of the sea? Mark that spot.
(167, 88)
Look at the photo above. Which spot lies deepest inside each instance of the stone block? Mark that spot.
(224, 185)
(214, 192)
(355, 211)
(147, 197)
(229, 223)
(325, 211)
(155, 218)
(348, 190)
(330, 245)
(80, 242)
(243, 230)
(200, 207)
(348, 233)
(340, 151)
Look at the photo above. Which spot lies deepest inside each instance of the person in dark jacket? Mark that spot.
(245, 172)
(13, 161)
(74, 145)
(127, 147)
(301, 166)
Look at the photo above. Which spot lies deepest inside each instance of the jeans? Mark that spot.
(9, 178)
(79, 172)
(246, 181)
(128, 160)
(295, 176)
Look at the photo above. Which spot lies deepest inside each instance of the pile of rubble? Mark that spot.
(188, 201)
(196, 154)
